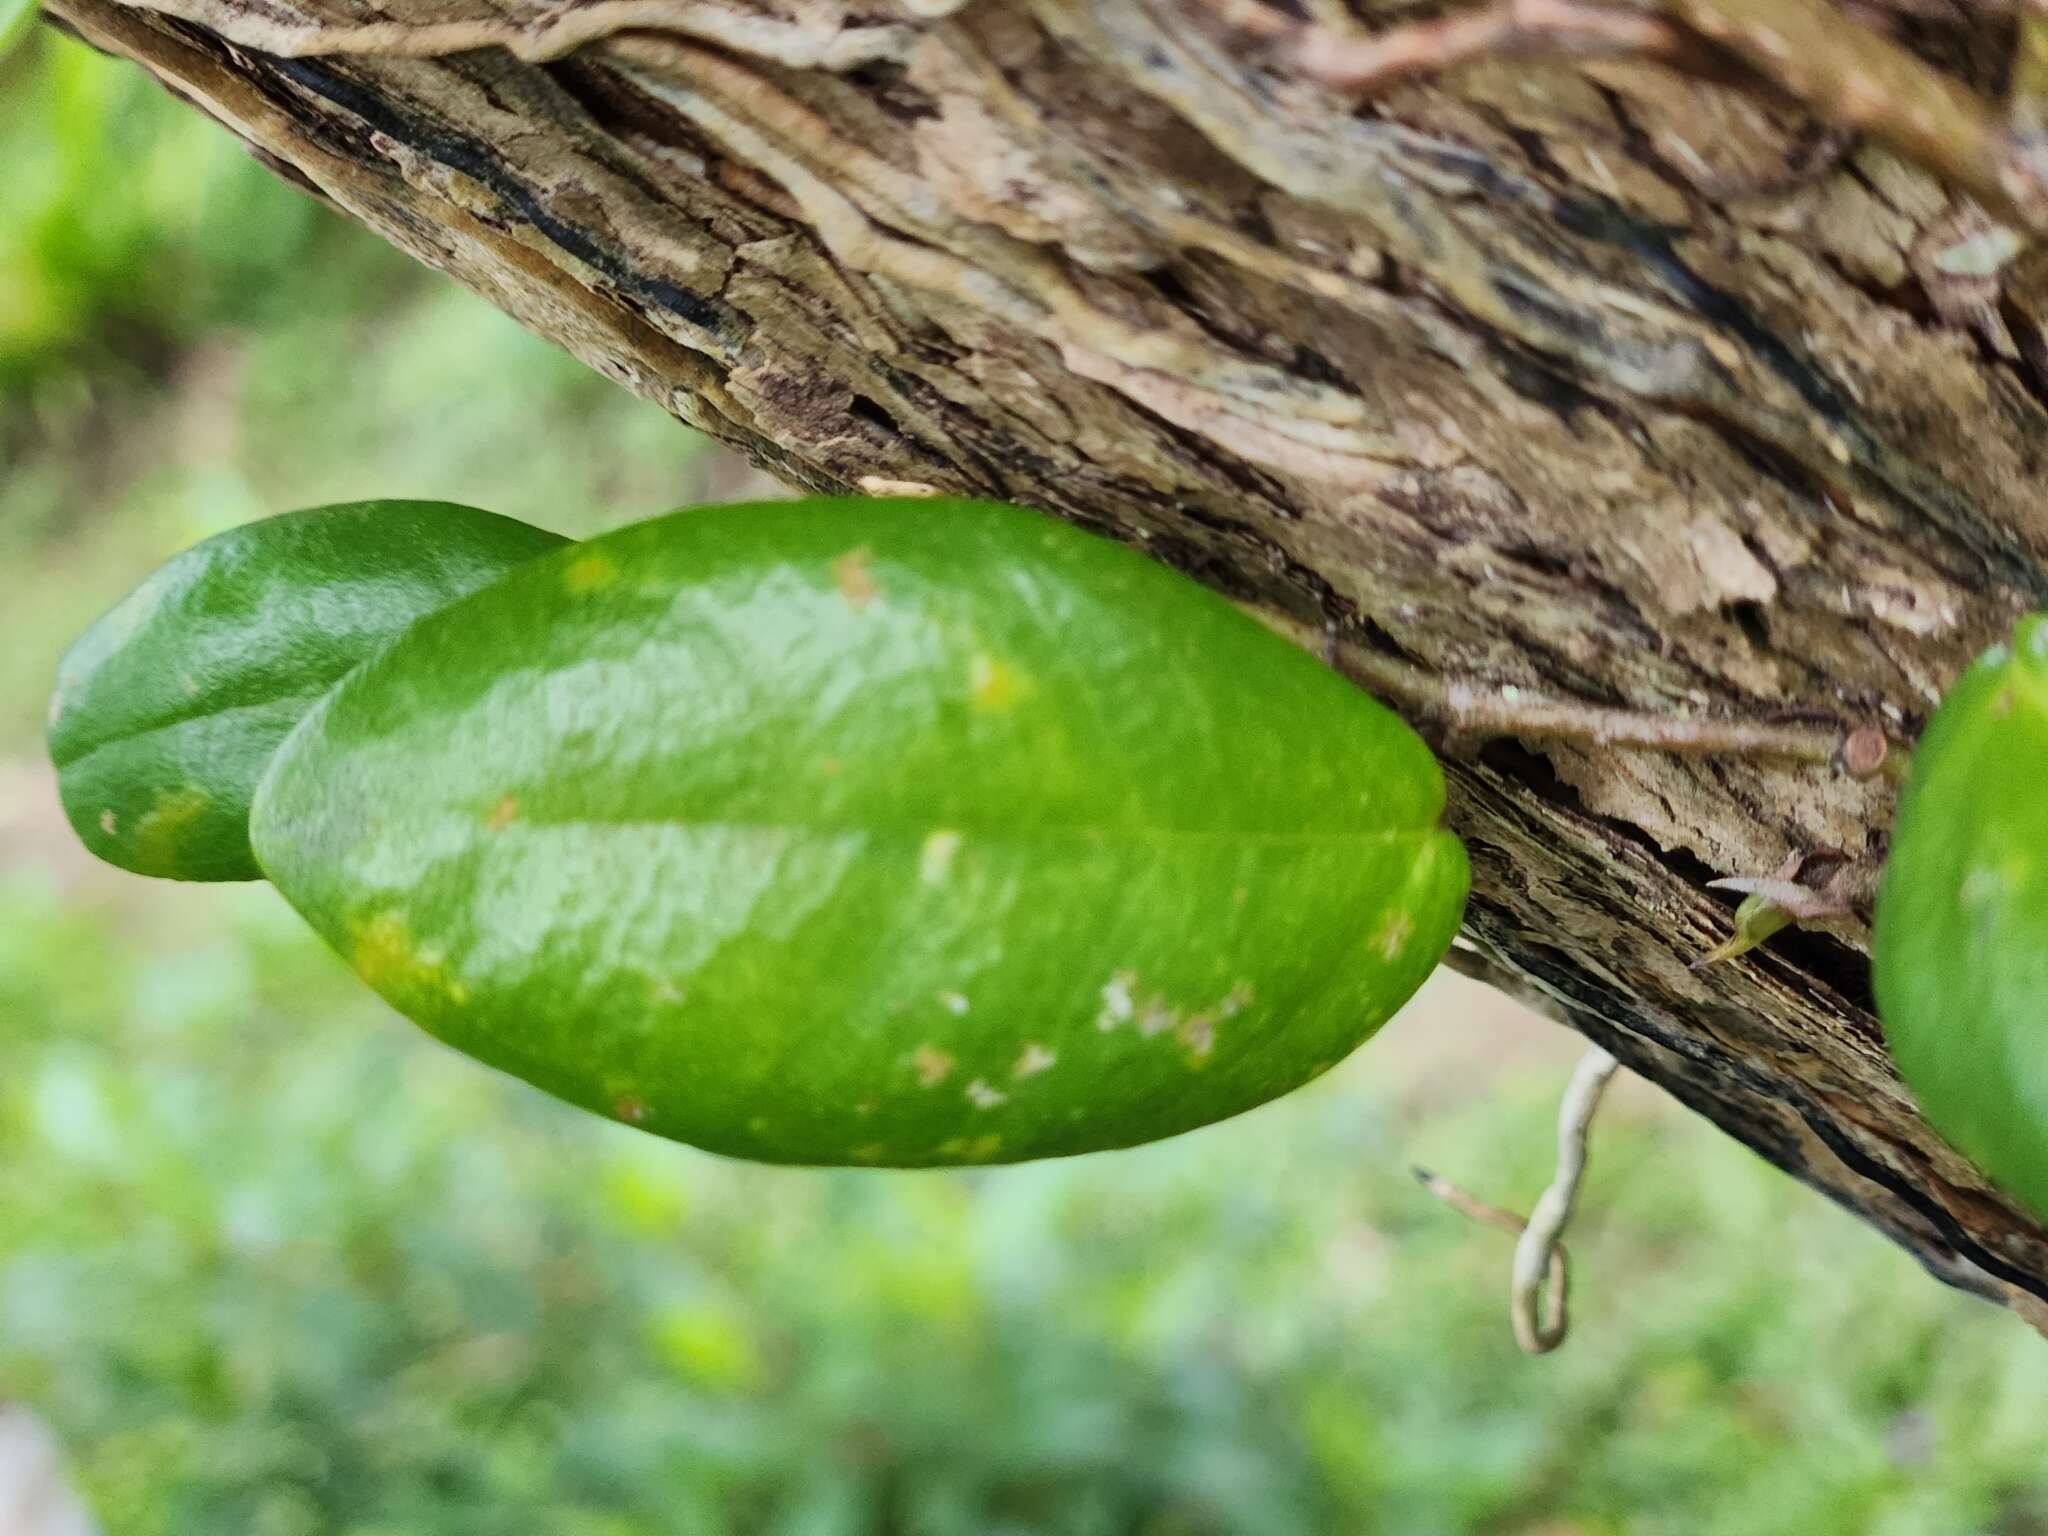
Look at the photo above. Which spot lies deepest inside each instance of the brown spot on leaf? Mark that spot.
(503, 814)
(1198, 1034)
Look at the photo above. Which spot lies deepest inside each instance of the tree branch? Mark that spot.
(1497, 385)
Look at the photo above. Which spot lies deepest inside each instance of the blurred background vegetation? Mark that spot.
(273, 1263)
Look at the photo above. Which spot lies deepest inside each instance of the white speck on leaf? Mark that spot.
(1981, 885)
(1116, 1000)
(981, 1096)
(954, 1003)
(1157, 1018)
(1393, 936)
(1036, 1059)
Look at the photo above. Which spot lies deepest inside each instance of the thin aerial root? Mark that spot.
(1540, 1276)
(1542, 1239)
(1554, 1324)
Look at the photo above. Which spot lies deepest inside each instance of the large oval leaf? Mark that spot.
(895, 832)
(1960, 952)
(167, 709)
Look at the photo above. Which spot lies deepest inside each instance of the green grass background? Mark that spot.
(273, 1263)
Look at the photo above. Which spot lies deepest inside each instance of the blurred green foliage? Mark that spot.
(271, 1262)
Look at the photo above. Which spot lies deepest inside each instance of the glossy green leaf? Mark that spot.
(893, 832)
(167, 710)
(1961, 946)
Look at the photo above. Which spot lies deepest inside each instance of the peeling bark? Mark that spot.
(1585, 376)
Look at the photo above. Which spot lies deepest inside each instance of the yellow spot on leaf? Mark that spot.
(985, 1147)
(590, 572)
(1198, 1034)
(160, 834)
(931, 1065)
(867, 1152)
(382, 951)
(503, 814)
(856, 583)
(935, 858)
(992, 686)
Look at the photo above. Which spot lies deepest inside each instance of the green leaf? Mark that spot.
(16, 17)
(167, 710)
(1960, 952)
(894, 832)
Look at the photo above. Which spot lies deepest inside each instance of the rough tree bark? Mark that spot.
(1649, 379)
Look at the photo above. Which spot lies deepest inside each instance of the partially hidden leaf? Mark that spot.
(167, 710)
(1757, 919)
(893, 832)
(1960, 950)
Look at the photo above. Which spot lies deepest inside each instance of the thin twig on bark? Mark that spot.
(1862, 751)
(1844, 72)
